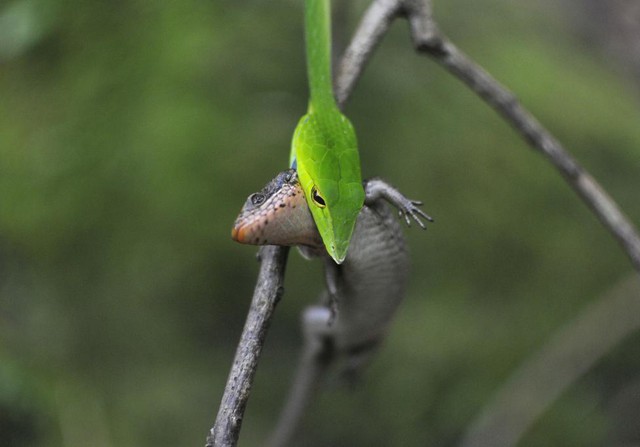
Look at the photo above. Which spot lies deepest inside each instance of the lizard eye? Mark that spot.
(317, 198)
(257, 198)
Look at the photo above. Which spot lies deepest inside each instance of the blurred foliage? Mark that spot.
(130, 135)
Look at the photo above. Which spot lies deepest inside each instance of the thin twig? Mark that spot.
(372, 28)
(564, 359)
(428, 40)
(268, 291)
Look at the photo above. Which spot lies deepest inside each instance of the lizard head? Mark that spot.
(277, 215)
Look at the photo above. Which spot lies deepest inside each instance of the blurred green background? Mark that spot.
(131, 133)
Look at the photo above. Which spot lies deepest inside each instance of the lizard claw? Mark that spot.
(410, 210)
(403, 213)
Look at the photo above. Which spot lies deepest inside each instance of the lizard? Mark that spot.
(365, 290)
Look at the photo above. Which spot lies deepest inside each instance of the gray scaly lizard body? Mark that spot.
(362, 293)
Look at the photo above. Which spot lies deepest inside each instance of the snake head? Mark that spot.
(324, 150)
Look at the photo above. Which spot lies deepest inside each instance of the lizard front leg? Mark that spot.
(376, 189)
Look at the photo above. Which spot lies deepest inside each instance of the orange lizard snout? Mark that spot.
(238, 234)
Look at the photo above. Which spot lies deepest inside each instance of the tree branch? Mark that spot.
(268, 291)
(428, 40)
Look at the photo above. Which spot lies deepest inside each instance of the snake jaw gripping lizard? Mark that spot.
(367, 287)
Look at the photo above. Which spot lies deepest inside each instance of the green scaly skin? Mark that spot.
(324, 147)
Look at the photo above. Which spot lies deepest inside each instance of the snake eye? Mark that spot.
(257, 198)
(317, 198)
